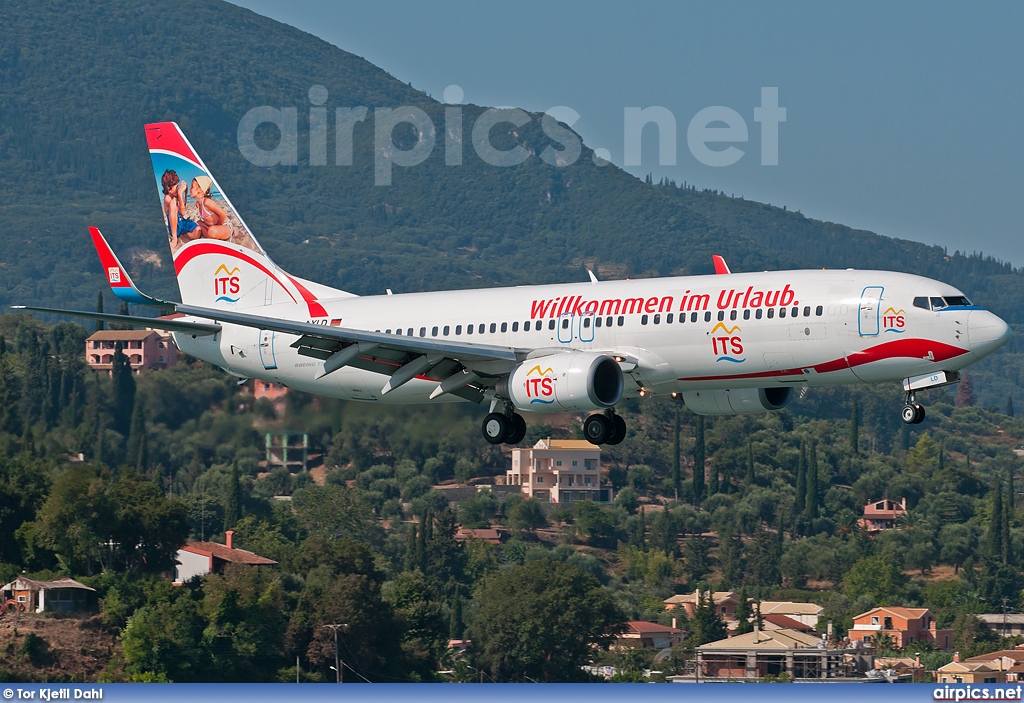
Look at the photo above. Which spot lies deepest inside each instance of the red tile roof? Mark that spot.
(220, 551)
(1015, 654)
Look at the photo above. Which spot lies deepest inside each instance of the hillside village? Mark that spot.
(812, 545)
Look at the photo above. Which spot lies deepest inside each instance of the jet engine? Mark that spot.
(742, 401)
(560, 382)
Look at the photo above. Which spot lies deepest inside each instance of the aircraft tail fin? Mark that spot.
(218, 262)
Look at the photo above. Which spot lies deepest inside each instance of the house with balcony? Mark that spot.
(145, 349)
(970, 671)
(882, 514)
(726, 603)
(559, 471)
(900, 626)
(641, 633)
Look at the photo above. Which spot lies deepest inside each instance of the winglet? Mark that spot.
(720, 265)
(118, 278)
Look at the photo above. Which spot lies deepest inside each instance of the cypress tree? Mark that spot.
(1009, 406)
(942, 455)
(643, 529)
(142, 458)
(455, 626)
(99, 308)
(677, 476)
(995, 525)
(813, 493)
(801, 482)
(233, 504)
(123, 380)
(698, 461)
(1005, 526)
(750, 463)
(743, 614)
(854, 428)
(410, 550)
(136, 433)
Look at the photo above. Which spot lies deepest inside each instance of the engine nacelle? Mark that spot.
(560, 382)
(742, 401)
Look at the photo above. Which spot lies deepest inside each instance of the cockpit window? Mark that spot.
(937, 303)
(956, 300)
(922, 303)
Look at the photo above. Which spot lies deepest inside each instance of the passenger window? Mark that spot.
(480, 329)
(398, 330)
(732, 315)
(758, 313)
(447, 330)
(469, 329)
(608, 322)
(796, 312)
(597, 321)
(494, 328)
(526, 326)
(622, 321)
(746, 314)
(707, 316)
(504, 327)
(771, 313)
(693, 317)
(782, 312)
(938, 303)
(657, 319)
(387, 331)
(423, 331)
(458, 329)
(586, 323)
(565, 323)
(643, 319)
(515, 326)
(668, 319)
(433, 332)
(551, 324)
(409, 332)
(807, 311)
(818, 311)
(721, 315)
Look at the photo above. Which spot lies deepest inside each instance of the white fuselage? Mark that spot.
(744, 330)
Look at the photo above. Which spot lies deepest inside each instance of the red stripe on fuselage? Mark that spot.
(191, 252)
(897, 349)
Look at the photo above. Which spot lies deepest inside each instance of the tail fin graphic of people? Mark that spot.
(211, 220)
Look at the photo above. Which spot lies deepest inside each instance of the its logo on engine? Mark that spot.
(542, 388)
(726, 343)
(893, 321)
(226, 283)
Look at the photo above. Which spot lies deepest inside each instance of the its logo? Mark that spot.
(114, 274)
(893, 321)
(226, 283)
(540, 389)
(727, 345)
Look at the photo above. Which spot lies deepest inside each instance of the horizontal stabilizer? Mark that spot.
(196, 328)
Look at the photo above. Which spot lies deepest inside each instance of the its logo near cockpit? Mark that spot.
(726, 343)
(893, 321)
(542, 388)
(226, 283)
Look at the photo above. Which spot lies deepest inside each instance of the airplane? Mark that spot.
(728, 343)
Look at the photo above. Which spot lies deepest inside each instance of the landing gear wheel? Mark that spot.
(618, 432)
(909, 414)
(517, 430)
(919, 410)
(495, 428)
(597, 429)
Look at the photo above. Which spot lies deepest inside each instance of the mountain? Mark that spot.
(78, 81)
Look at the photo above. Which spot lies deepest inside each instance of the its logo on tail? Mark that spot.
(226, 281)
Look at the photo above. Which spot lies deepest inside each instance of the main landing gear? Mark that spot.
(607, 428)
(913, 412)
(508, 428)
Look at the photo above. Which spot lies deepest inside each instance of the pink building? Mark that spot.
(882, 514)
(902, 626)
(145, 349)
(559, 471)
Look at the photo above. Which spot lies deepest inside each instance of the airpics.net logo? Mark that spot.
(716, 136)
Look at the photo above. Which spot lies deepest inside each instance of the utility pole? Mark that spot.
(337, 660)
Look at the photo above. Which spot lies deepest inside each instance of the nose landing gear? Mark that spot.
(913, 412)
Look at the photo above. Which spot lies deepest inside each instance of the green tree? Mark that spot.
(811, 505)
(878, 577)
(549, 629)
(698, 460)
(677, 472)
(123, 383)
(527, 516)
(233, 501)
(696, 560)
(854, 427)
(706, 625)
(743, 614)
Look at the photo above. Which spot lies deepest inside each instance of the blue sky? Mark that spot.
(902, 118)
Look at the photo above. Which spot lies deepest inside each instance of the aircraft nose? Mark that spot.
(986, 332)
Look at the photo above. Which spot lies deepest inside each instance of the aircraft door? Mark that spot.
(870, 310)
(586, 327)
(565, 327)
(267, 349)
